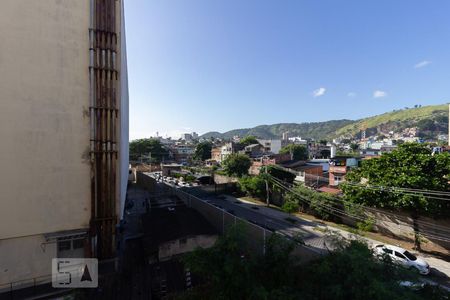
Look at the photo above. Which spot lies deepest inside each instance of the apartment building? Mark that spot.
(63, 132)
(273, 146)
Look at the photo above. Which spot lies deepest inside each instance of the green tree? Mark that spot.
(354, 146)
(236, 165)
(203, 151)
(298, 152)
(253, 186)
(147, 147)
(290, 207)
(231, 269)
(316, 203)
(248, 140)
(410, 166)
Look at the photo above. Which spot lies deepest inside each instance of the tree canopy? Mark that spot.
(248, 140)
(236, 165)
(411, 166)
(298, 152)
(147, 147)
(253, 186)
(203, 151)
(231, 270)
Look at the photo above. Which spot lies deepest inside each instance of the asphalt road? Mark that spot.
(311, 232)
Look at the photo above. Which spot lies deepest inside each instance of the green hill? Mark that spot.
(316, 130)
(431, 121)
(421, 117)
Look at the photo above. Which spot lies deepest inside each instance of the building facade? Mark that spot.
(64, 132)
(339, 166)
(273, 146)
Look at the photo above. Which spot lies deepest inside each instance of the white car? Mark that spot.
(403, 257)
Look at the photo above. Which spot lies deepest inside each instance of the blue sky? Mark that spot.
(208, 65)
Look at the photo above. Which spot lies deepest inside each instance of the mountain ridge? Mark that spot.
(432, 119)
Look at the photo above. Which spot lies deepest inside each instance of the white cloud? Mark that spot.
(422, 64)
(319, 92)
(379, 94)
(351, 94)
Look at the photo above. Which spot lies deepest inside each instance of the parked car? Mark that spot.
(403, 257)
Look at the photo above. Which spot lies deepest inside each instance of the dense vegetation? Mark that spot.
(410, 166)
(231, 270)
(392, 121)
(203, 151)
(236, 165)
(150, 149)
(400, 119)
(315, 130)
(248, 140)
(298, 152)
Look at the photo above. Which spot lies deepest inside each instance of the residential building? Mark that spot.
(324, 163)
(182, 153)
(254, 150)
(272, 146)
(368, 152)
(298, 140)
(318, 151)
(64, 133)
(339, 166)
(186, 137)
(310, 175)
(267, 160)
(219, 154)
(216, 154)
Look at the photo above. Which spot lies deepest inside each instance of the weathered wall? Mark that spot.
(220, 179)
(176, 247)
(29, 248)
(44, 120)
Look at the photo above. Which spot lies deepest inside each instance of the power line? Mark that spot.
(430, 194)
(325, 206)
(339, 211)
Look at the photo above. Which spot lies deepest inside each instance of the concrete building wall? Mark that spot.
(30, 248)
(45, 181)
(124, 117)
(176, 247)
(44, 120)
(273, 146)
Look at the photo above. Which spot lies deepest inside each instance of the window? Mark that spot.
(388, 251)
(409, 255)
(77, 244)
(64, 245)
(338, 179)
(399, 255)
